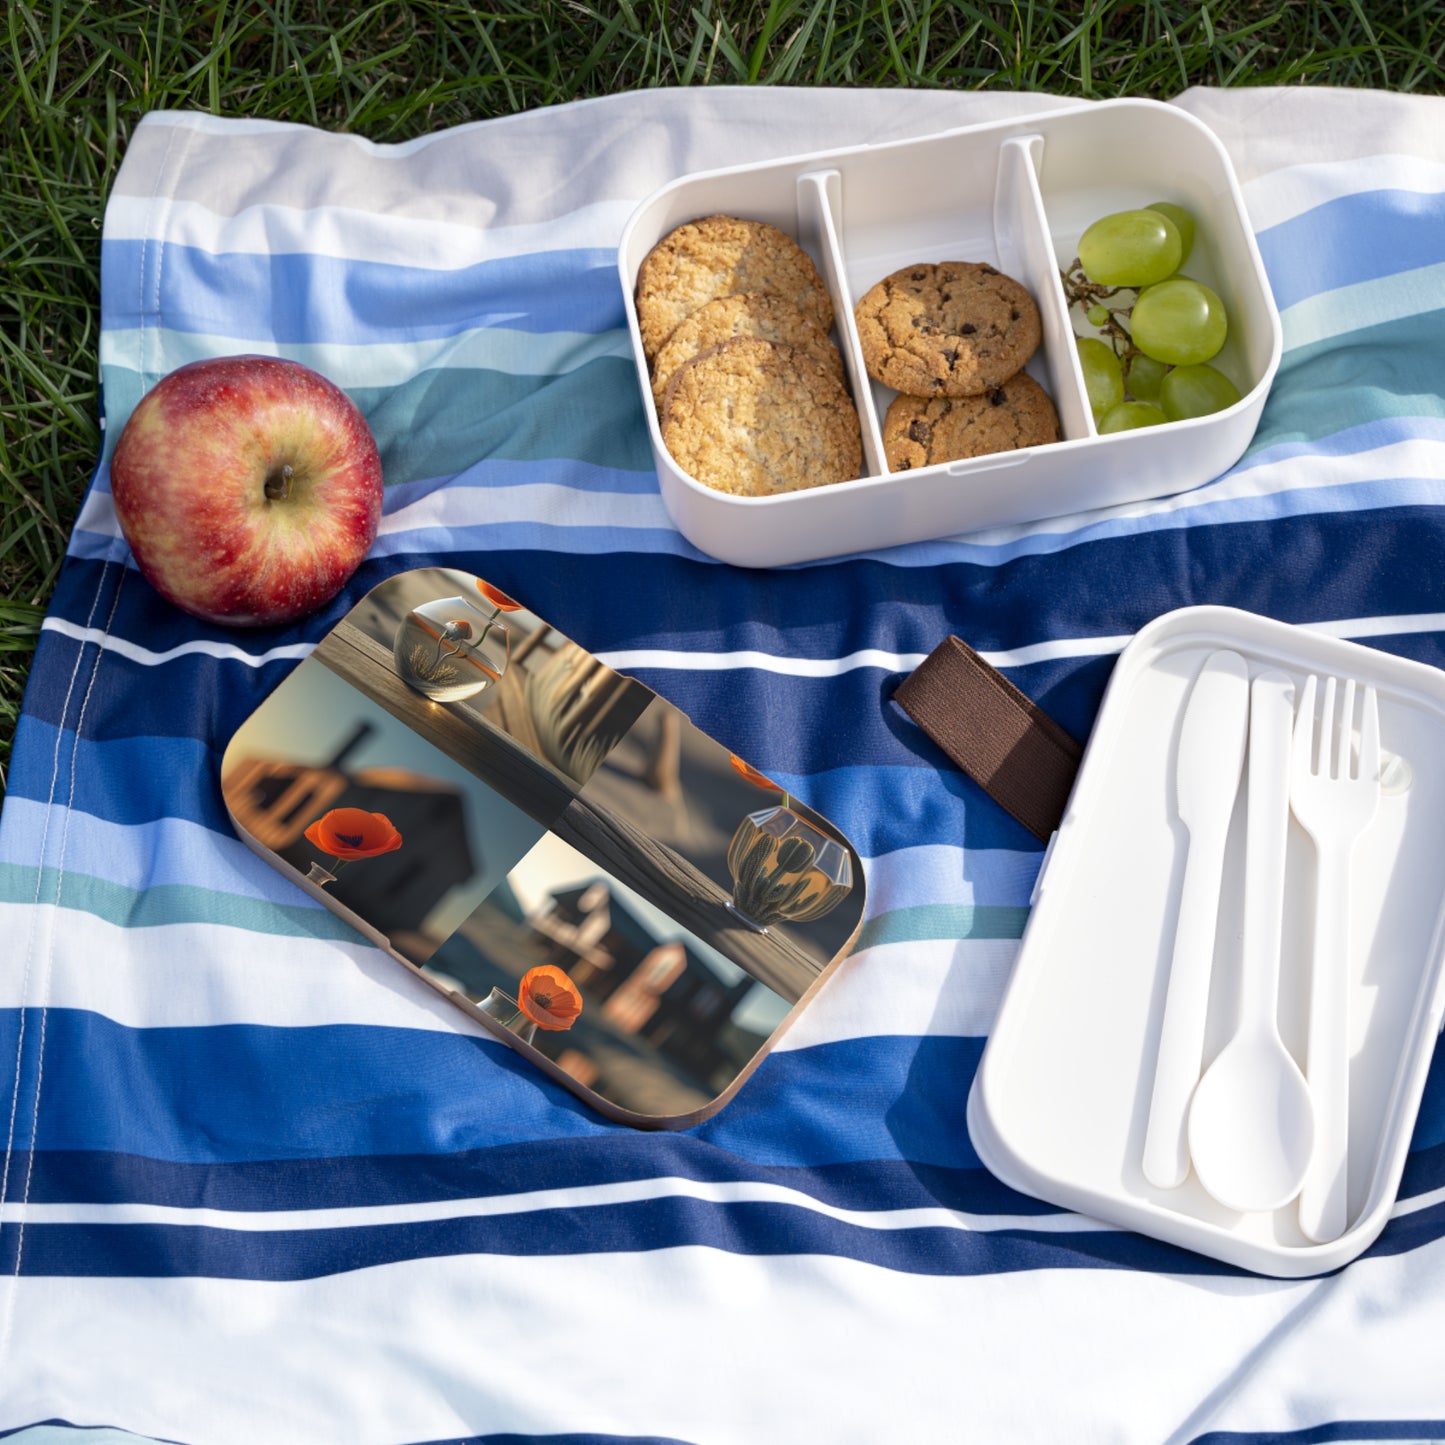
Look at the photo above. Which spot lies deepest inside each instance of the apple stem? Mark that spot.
(278, 484)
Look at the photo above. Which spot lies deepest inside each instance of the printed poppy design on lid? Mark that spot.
(497, 597)
(549, 998)
(350, 833)
(757, 779)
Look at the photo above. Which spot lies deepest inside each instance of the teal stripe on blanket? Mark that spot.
(927, 921)
(168, 903)
(163, 904)
(1375, 374)
(442, 422)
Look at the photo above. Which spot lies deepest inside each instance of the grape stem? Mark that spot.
(1081, 292)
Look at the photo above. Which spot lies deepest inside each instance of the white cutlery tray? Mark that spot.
(1060, 1104)
(1016, 195)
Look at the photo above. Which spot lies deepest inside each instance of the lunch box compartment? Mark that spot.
(1014, 195)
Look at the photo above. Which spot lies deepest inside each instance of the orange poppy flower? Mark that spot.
(497, 597)
(753, 775)
(348, 833)
(549, 998)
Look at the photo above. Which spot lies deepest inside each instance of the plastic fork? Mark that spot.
(1334, 794)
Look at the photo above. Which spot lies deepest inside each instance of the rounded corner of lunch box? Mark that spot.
(989, 1141)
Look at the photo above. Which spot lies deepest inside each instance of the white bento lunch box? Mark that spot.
(1061, 1102)
(1016, 195)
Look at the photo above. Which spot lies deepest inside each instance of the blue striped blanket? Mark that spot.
(259, 1184)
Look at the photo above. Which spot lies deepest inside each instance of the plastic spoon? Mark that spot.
(1211, 754)
(1251, 1121)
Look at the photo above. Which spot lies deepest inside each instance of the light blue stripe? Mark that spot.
(437, 543)
(134, 780)
(558, 537)
(173, 852)
(486, 348)
(167, 853)
(1353, 238)
(1384, 491)
(1298, 423)
(306, 299)
(915, 875)
(536, 537)
(493, 472)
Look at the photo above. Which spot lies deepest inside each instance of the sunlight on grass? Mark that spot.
(75, 78)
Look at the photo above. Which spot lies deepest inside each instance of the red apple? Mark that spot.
(249, 489)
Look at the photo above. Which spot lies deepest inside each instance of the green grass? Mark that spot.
(75, 78)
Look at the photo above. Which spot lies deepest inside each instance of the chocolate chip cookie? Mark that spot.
(717, 256)
(918, 432)
(955, 328)
(749, 313)
(754, 418)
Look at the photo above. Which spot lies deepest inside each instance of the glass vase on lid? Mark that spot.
(785, 870)
(455, 647)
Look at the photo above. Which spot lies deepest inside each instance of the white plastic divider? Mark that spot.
(1026, 248)
(820, 224)
(1014, 194)
(1025, 252)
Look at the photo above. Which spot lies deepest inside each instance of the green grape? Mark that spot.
(1129, 415)
(1179, 322)
(1196, 391)
(1098, 315)
(1183, 223)
(1144, 376)
(1130, 248)
(1103, 376)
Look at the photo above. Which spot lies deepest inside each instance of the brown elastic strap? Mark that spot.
(1008, 745)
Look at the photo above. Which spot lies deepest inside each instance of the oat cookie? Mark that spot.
(748, 313)
(918, 432)
(753, 418)
(956, 328)
(717, 256)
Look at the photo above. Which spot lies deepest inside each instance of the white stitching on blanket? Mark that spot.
(34, 929)
(164, 188)
(44, 989)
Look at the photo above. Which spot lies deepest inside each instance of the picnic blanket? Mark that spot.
(261, 1184)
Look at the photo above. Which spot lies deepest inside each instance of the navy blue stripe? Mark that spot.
(1353, 238)
(1417, 1432)
(85, 596)
(1410, 1231)
(507, 1438)
(204, 1094)
(55, 1422)
(1424, 1170)
(195, 697)
(73, 1177)
(1345, 566)
(570, 1438)
(754, 1229)
(299, 297)
(127, 780)
(1339, 565)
